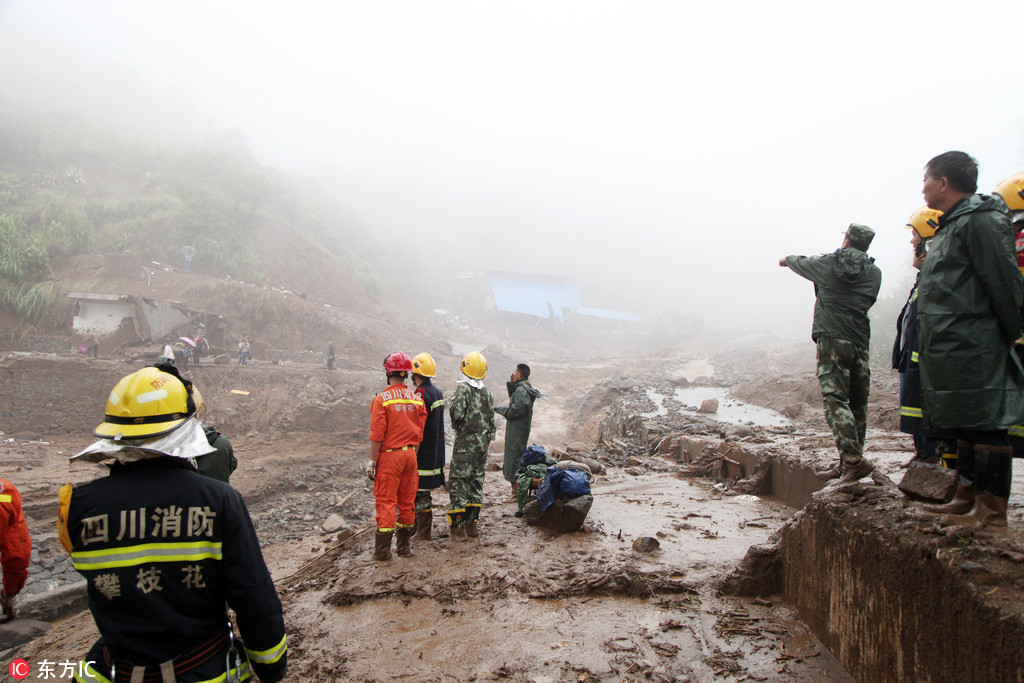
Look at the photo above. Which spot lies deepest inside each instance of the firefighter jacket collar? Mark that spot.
(187, 441)
(475, 383)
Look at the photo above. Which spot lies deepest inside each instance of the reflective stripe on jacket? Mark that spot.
(165, 551)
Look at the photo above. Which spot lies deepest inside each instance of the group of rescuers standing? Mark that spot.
(407, 447)
(958, 347)
(166, 545)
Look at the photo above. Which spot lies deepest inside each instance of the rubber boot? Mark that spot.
(472, 514)
(988, 510)
(961, 504)
(993, 471)
(382, 545)
(424, 522)
(456, 526)
(402, 536)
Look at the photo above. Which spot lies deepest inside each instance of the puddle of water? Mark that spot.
(699, 531)
(730, 409)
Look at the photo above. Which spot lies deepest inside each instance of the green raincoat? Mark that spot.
(519, 413)
(846, 285)
(968, 314)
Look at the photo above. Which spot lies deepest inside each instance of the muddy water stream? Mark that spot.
(730, 409)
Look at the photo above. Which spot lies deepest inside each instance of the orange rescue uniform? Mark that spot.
(15, 545)
(397, 416)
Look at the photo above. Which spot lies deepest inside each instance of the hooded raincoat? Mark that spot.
(968, 311)
(846, 284)
(519, 413)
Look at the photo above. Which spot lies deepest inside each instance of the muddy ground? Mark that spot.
(518, 603)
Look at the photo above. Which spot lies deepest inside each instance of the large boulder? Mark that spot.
(562, 517)
(710, 405)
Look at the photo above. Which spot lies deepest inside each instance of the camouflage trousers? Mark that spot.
(845, 379)
(466, 483)
(424, 501)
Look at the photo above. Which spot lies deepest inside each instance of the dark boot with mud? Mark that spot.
(963, 500)
(854, 471)
(992, 471)
(402, 537)
(456, 526)
(382, 545)
(472, 514)
(424, 522)
(831, 472)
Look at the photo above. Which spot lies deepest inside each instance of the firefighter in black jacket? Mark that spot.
(430, 453)
(922, 224)
(166, 551)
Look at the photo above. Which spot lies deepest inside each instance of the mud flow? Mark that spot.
(712, 551)
(524, 604)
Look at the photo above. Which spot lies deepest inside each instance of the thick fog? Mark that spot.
(664, 154)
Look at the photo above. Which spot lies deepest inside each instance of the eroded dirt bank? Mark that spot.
(897, 595)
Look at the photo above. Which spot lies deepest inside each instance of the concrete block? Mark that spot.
(929, 482)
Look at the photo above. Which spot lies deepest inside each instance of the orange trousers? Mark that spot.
(395, 487)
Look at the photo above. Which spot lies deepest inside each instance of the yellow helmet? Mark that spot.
(474, 365)
(925, 221)
(197, 398)
(145, 404)
(1012, 191)
(423, 364)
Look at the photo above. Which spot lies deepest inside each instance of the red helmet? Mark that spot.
(398, 362)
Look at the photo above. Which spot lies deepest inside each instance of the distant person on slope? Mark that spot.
(519, 414)
(93, 344)
(329, 359)
(846, 284)
(188, 252)
(243, 352)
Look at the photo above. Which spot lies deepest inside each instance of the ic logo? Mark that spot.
(18, 669)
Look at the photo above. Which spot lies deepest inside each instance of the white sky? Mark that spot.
(664, 153)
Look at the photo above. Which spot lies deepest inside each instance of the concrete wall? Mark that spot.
(102, 317)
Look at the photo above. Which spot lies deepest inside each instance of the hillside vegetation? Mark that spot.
(68, 188)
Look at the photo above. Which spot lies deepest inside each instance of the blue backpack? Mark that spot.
(532, 455)
(562, 484)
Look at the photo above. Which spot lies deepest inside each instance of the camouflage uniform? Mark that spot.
(845, 379)
(846, 284)
(472, 413)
